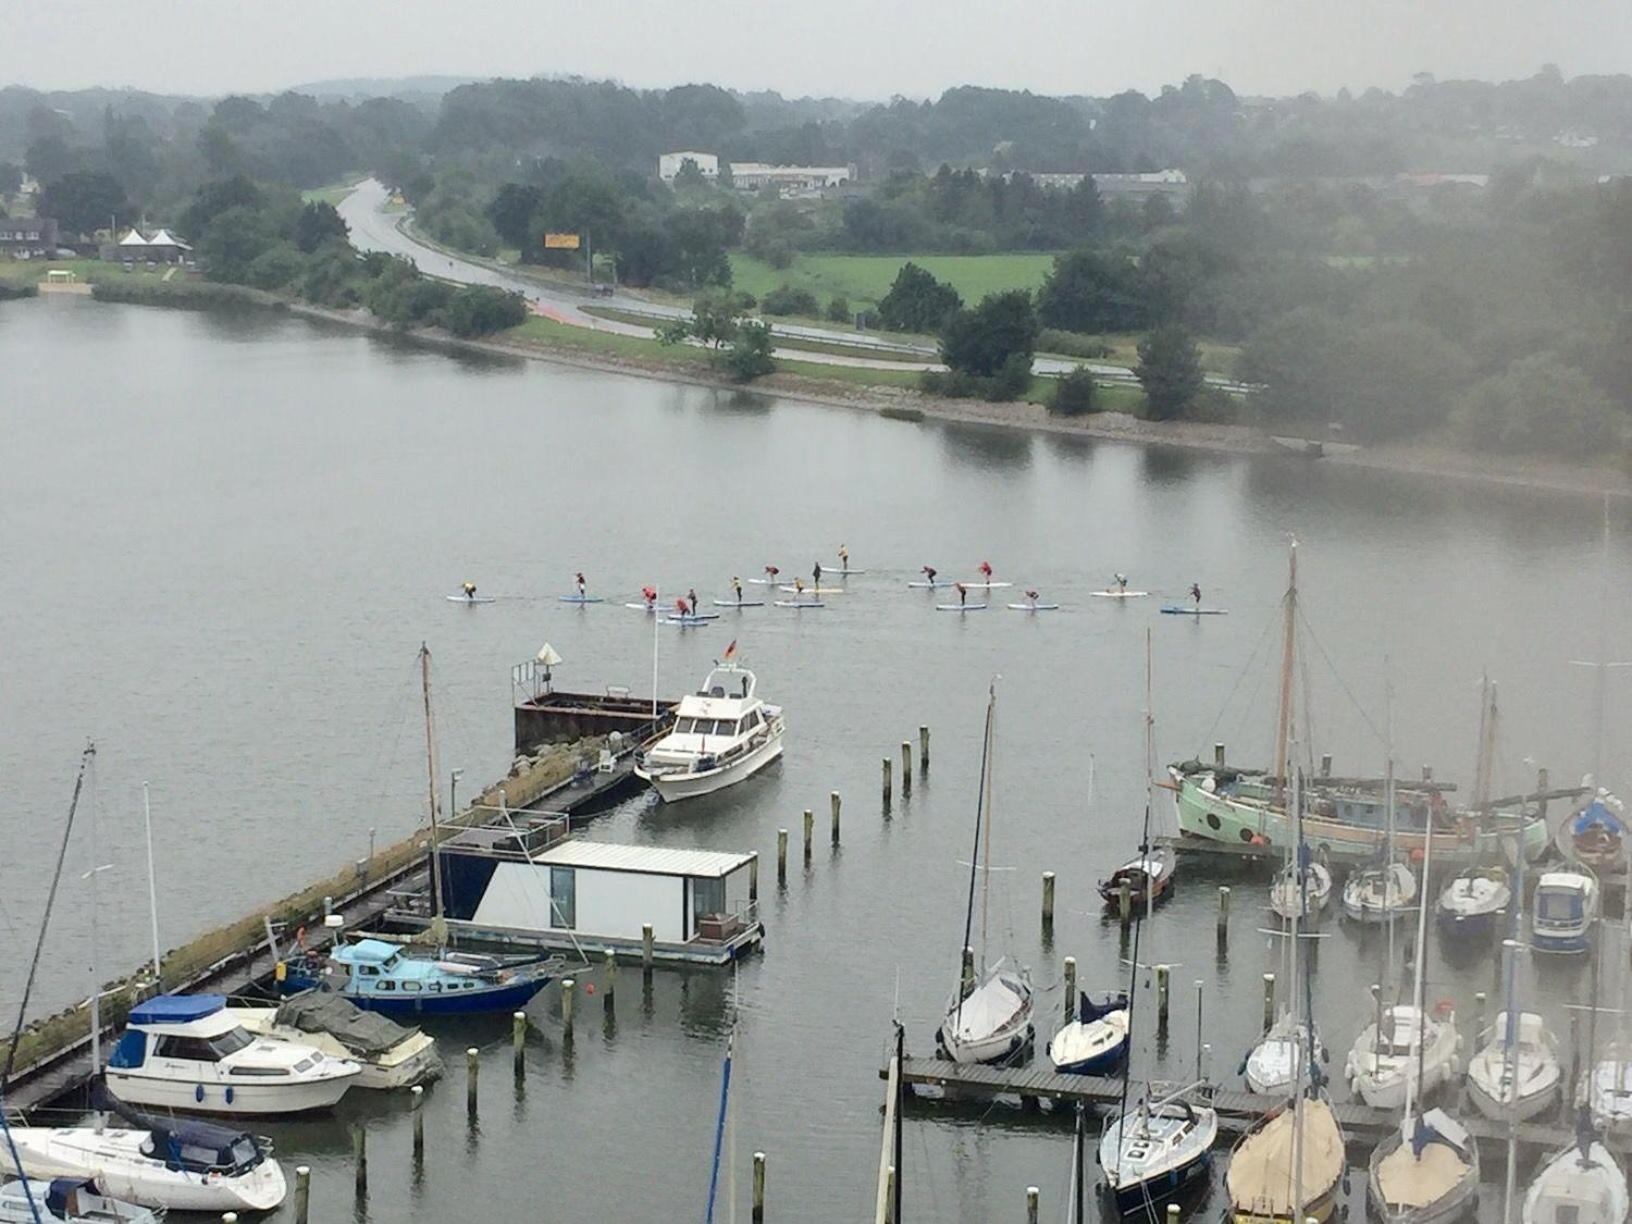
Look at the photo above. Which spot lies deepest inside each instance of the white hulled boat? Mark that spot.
(64, 1200)
(1516, 1073)
(390, 1055)
(1272, 1064)
(1157, 1149)
(1379, 894)
(1583, 1184)
(1472, 902)
(1383, 1063)
(722, 735)
(190, 1052)
(1306, 891)
(1566, 907)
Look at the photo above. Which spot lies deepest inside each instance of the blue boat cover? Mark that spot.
(1597, 815)
(1088, 1011)
(176, 1009)
(56, 1198)
(130, 1052)
(366, 952)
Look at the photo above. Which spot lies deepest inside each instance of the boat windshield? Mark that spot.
(1558, 906)
(231, 1042)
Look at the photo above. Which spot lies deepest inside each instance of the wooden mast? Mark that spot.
(430, 766)
(1283, 727)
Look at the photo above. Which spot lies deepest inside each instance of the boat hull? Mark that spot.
(236, 1099)
(998, 1048)
(1457, 1201)
(1132, 1198)
(674, 787)
(1561, 943)
(507, 997)
(112, 1161)
(1522, 1110)
(1467, 928)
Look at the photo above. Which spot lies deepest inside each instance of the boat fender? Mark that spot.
(198, 1093)
(280, 972)
(229, 1094)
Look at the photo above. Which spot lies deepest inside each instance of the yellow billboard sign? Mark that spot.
(560, 242)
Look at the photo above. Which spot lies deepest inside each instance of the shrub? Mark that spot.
(481, 310)
(917, 302)
(786, 300)
(749, 356)
(838, 310)
(1074, 394)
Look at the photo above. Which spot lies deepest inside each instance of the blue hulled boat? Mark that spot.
(397, 981)
(1096, 1041)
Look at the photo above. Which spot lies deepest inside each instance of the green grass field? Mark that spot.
(32, 271)
(864, 279)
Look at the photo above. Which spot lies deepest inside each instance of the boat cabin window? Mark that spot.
(1558, 907)
(200, 1049)
(410, 988)
(368, 970)
(385, 984)
(563, 898)
(685, 726)
(708, 897)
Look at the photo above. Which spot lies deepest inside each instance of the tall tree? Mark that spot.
(1169, 370)
(86, 200)
(917, 302)
(1001, 331)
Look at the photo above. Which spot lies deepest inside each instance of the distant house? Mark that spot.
(669, 165)
(133, 248)
(790, 180)
(28, 236)
(1155, 182)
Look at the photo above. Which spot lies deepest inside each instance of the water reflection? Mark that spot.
(986, 447)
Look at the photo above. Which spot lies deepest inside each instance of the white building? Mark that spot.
(1150, 183)
(751, 176)
(669, 164)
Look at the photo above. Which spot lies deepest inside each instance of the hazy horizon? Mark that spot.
(843, 48)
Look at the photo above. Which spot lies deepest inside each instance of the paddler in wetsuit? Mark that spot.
(816, 576)
(470, 590)
(844, 559)
(581, 585)
(1195, 594)
(929, 574)
(736, 587)
(963, 594)
(771, 572)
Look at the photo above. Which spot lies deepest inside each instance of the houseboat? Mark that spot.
(722, 734)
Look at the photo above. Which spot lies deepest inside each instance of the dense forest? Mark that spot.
(1497, 305)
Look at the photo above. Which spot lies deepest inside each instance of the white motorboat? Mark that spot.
(1382, 1068)
(391, 1056)
(1273, 1064)
(1566, 907)
(1471, 903)
(991, 1022)
(1516, 1073)
(1426, 1171)
(1379, 894)
(66, 1200)
(1096, 1041)
(722, 734)
(182, 1165)
(1606, 1090)
(1157, 1149)
(1306, 892)
(1583, 1184)
(190, 1052)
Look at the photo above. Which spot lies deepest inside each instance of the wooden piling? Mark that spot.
(1032, 1196)
(968, 970)
(303, 1194)
(1172, 1213)
(1124, 902)
(1541, 792)
(609, 979)
(1269, 1001)
(834, 803)
(359, 1158)
(906, 768)
(923, 749)
(416, 1097)
(1325, 764)
(1070, 989)
(646, 946)
(1218, 755)
(781, 856)
(810, 830)
(1048, 898)
(759, 1188)
(885, 763)
(1427, 773)
(1162, 975)
(1478, 1018)
(473, 1078)
(518, 1040)
(1223, 912)
(753, 878)
(569, 991)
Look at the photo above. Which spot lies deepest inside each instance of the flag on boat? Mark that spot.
(730, 652)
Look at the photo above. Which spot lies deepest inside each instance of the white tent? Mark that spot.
(164, 238)
(134, 240)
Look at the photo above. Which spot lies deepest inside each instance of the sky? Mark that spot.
(865, 49)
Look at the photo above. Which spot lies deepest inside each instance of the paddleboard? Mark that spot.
(985, 586)
(1031, 607)
(960, 607)
(1181, 610)
(698, 619)
(582, 599)
(844, 573)
(640, 607)
(921, 585)
(1119, 594)
(739, 603)
(471, 599)
(800, 603)
(792, 590)
(765, 581)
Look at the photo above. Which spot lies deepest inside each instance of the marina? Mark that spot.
(884, 878)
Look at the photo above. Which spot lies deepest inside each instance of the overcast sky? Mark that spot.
(855, 48)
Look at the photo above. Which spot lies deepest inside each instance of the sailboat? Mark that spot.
(1606, 1089)
(1304, 885)
(1384, 891)
(1427, 1170)
(1147, 876)
(1287, 1167)
(989, 1017)
(1473, 900)
(1583, 1184)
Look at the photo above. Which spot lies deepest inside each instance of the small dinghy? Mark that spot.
(1096, 1041)
(1156, 1151)
(1471, 903)
(1273, 1064)
(1516, 1073)
(1595, 836)
(960, 607)
(1147, 877)
(67, 1200)
(1302, 893)
(1406, 1051)
(991, 1022)
(1583, 1184)
(1380, 894)
(1566, 909)
(1424, 1172)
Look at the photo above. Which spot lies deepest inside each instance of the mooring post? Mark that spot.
(1048, 898)
(968, 970)
(1172, 1213)
(1269, 1001)
(834, 803)
(359, 1158)
(646, 948)
(229, 1217)
(518, 1037)
(1070, 988)
(885, 763)
(923, 748)
(569, 989)
(303, 1194)
(1218, 755)
(1541, 792)
(1162, 974)
(782, 857)
(1325, 764)
(1478, 1018)
(759, 1188)
(473, 1076)
(906, 768)
(1427, 773)
(1031, 1204)
(609, 979)
(1223, 913)
(1124, 902)
(416, 1097)
(810, 830)
(753, 878)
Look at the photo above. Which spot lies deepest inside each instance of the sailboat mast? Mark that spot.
(974, 852)
(1150, 781)
(1413, 1090)
(1388, 863)
(1283, 726)
(430, 767)
(1603, 655)
(986, 854)
(1297, 996)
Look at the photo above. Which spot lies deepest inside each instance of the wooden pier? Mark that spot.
(1237, 1111)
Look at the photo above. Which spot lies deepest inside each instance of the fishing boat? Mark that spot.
(390, 1055)
(1595, 835)
(179, 1164)
(1516, 1073)
(191, 1052)
(1095, 1041)
(1583, 1184)
(1472, 902)
(1159, 1150)
(722, 734)
(397, 980)
(1566, 906)
(68, 1200)
(989, 1017)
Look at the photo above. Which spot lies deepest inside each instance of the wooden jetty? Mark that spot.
(1237, 1111)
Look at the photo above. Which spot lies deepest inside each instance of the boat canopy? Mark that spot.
(1260, 1174)
(1598, 815)
(366, 952)
(176, 1009)
(362, 1032)
(1088, 1011)
(989, 1008)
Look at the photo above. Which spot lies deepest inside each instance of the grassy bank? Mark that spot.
(835, 347)
(92, 271)
(864, 279)
(187, 294)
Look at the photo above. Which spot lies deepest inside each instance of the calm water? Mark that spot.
(226, 536)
